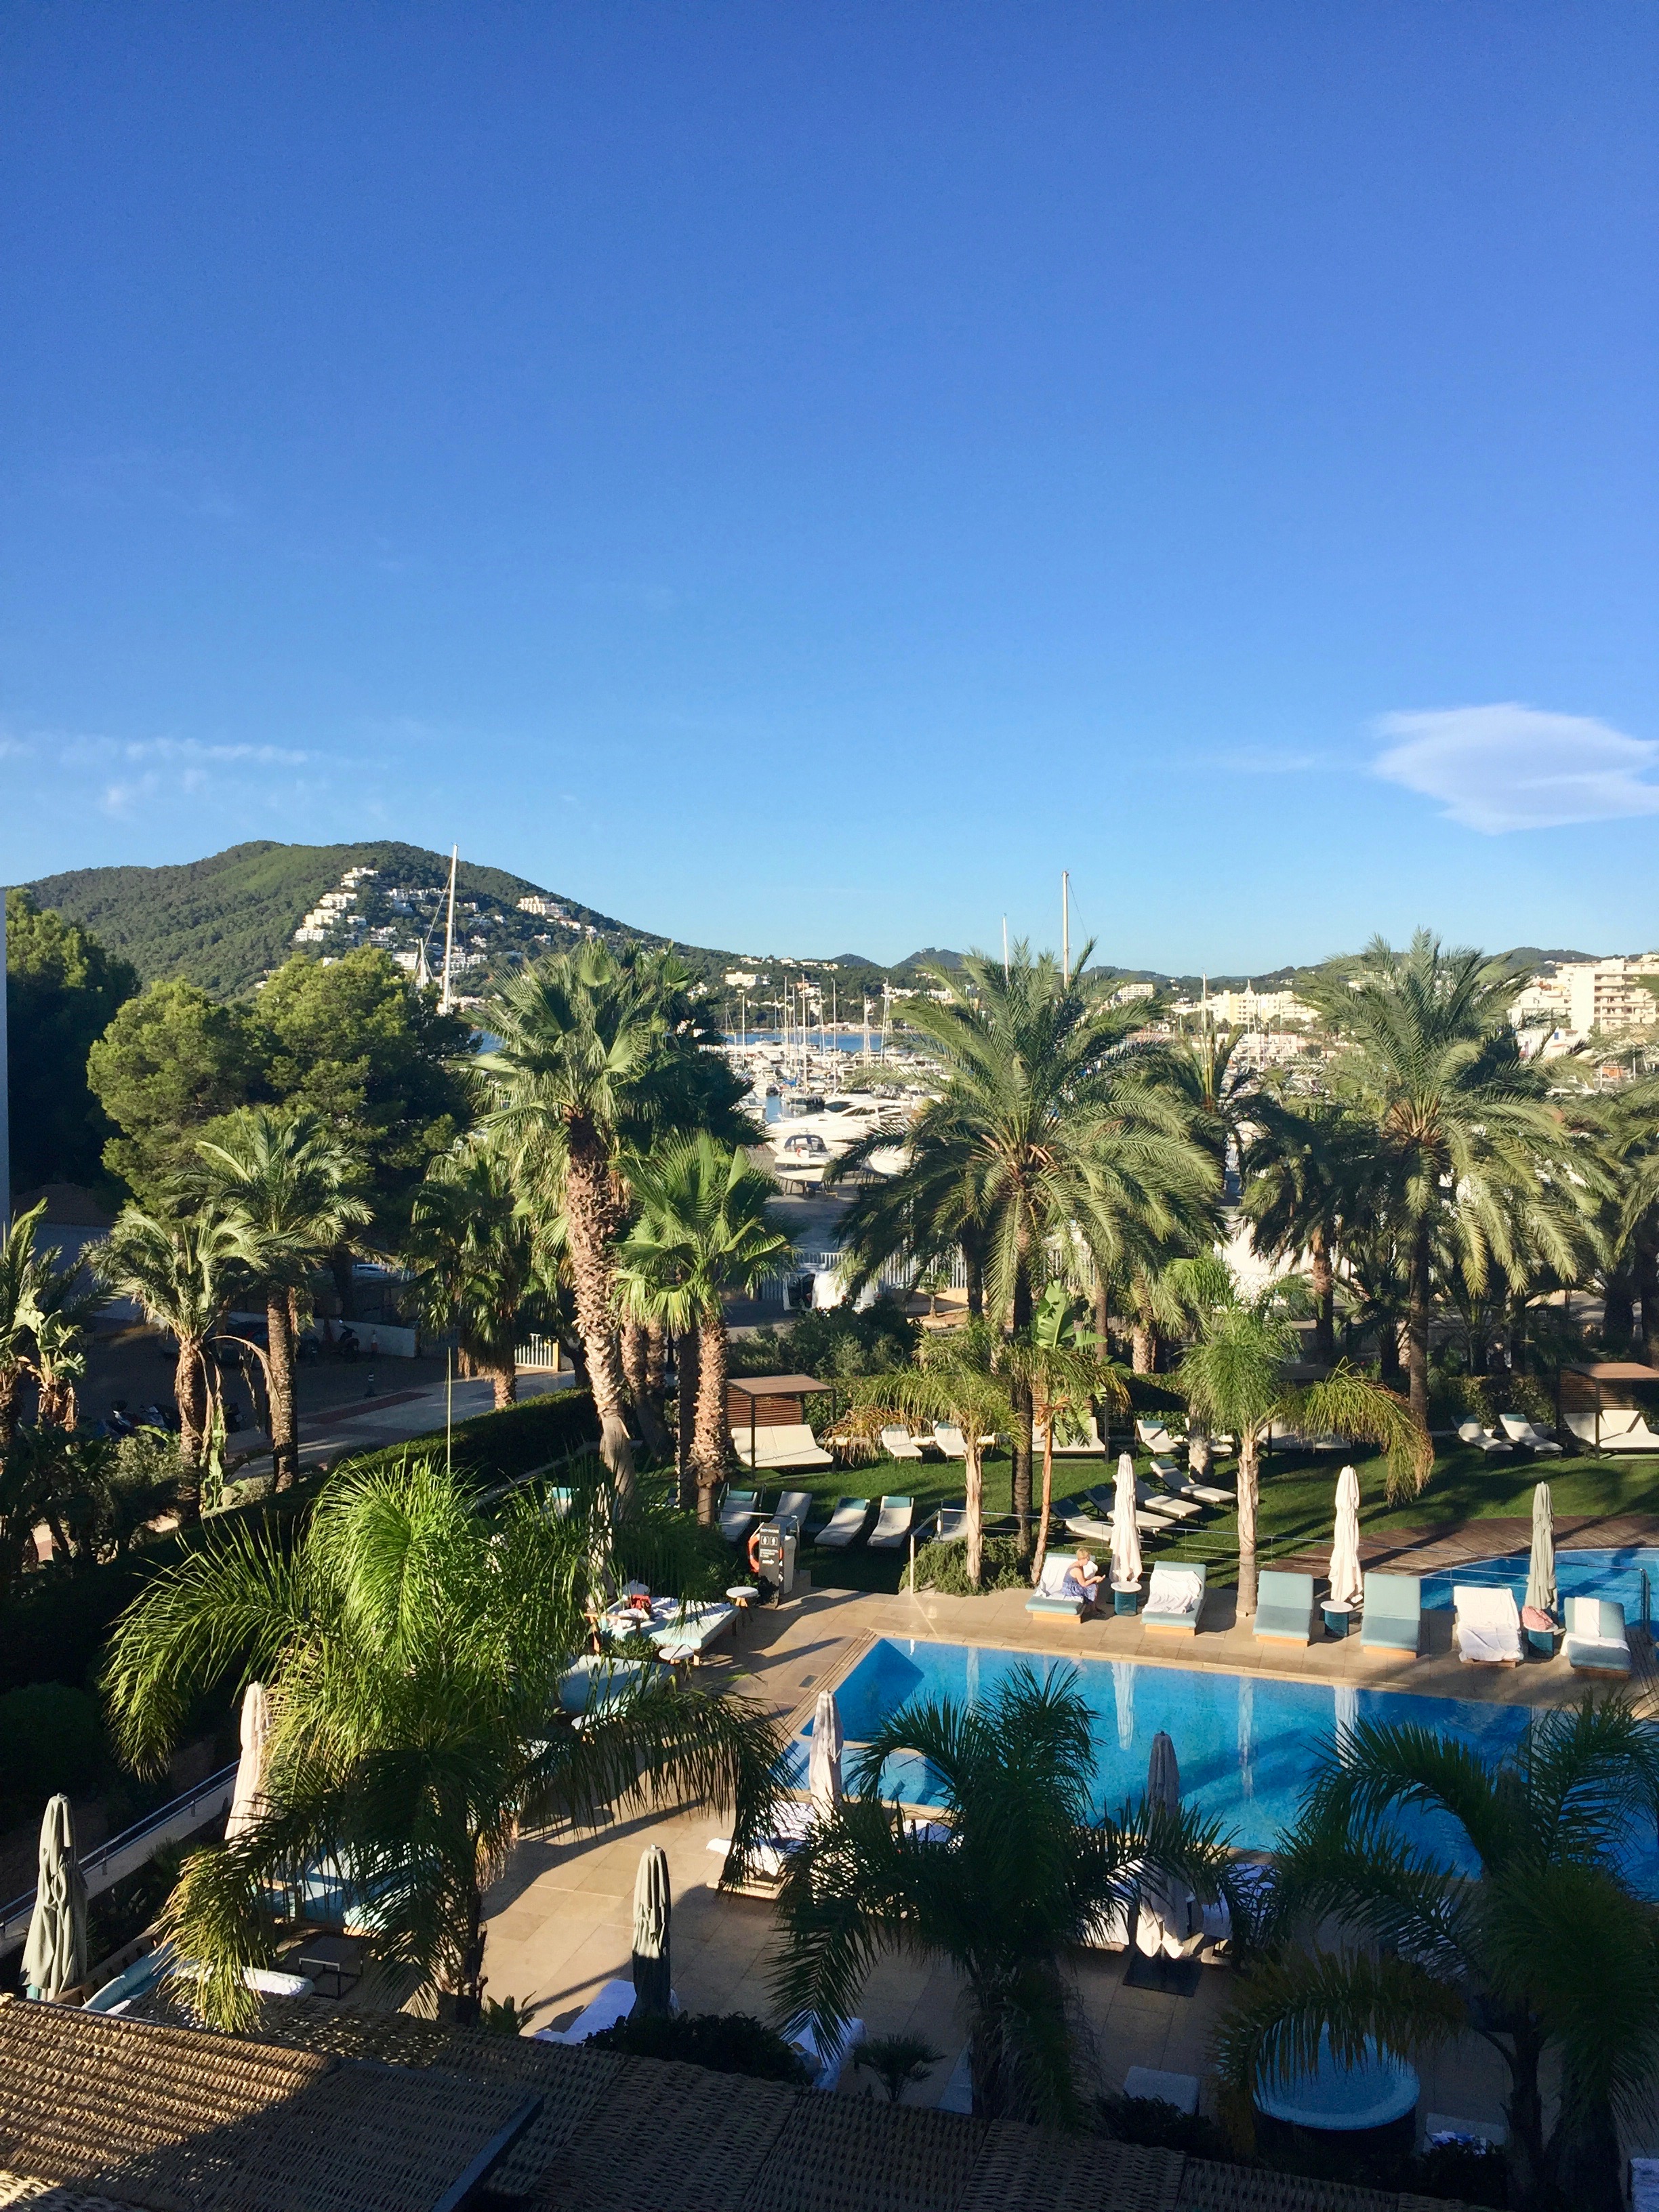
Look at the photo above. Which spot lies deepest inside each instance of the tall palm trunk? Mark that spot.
(1617, 1307)
(1020, 1395)
(190, 1390)
(685, 1370)
(588, 1224)
(974, 1476)
(11, 1380)
(635, 1348)
(1324, 1290)
(656, 1366)
(1041, 1552)
(1416, 1330)
(712, 1451)
(284, 1434)
(506, 1382)
(1647, 1289)
(976, 1275)
(1250, 1447)
(1388, 1353)
(1143, 1348)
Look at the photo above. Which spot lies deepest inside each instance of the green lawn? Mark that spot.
(1297, 1502)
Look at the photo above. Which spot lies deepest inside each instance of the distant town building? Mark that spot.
(1250, 1009)
(739, 979)
(1608, 994)
(550, 909)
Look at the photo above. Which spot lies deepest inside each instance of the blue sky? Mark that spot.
(798, 478)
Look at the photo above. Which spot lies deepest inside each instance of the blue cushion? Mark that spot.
(1395, 1598)
(1280, 1620)
(1070, 1605)
(1386, 1635)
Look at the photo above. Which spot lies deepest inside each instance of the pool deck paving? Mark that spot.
(559, 1918)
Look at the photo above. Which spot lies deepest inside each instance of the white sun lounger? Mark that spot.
(952, 1524)
(794, 1506)
(612, 2005)
(1172, 1509)
(824, 2058)
(1175, 1480)
(1623, 1429)
(1091, 1447)
(1520, 1431)
(949, 1438)
(740, 1510)
(783, 1444)
(1595, 1641)
(1155, 1436)
(1486, 1625)
(899, 1444)
(1471, 1433)
(892, 1529)
(846, 1524)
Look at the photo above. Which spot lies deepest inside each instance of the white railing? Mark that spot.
(895, 1274)
(538, 1355)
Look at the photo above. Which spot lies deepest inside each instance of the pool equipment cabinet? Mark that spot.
(777, 1543)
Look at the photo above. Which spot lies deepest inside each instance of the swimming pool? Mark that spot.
(1246, 1743)
(1615, 1574)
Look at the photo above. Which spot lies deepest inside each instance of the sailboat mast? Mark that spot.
(449, 931)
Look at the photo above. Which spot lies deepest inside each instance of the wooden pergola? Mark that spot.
(768, 1401)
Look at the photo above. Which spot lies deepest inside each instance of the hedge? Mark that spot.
(55, 1629)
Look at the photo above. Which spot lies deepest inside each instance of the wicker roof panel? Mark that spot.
(1206, 2186)
(21, 2189)
(669, 2134)
(1032, 2169)
(851, 2155)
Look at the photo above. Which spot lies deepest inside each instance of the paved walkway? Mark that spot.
(559, 1920)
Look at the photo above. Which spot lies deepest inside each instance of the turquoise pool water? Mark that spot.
(1617, 1575)
(1246, 1743)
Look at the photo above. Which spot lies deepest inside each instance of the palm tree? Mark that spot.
(413, 1646)
(1300, 1186)
(702, 1232)
(1219, 1089)
(184, 1275)
(1233, 1379)
(25, 1278)
(1461, 1142)
(1056, 1145)
(1026, 1872)
(1065, 1374)
(472, 1255)
(289, 1188)
(963, 1380)
(1549, 1957)
(582, 1041)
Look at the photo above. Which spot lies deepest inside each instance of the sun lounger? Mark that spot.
(1181, 1485)
(1090, 1447)
(1172, 1509)
(1150, 2082)
(794, 1506)
(949, 1438)
(1108, 1930)
(1280, 1434)
(1081, 1522)
(562, 1502)
(612, 2005)
(740, 1510)
(1048, 1597)
(1283, 1607)
(1156, 1437)
(826, 2057)
(1175, 1599)
(1520, 1431)
(959, 2089)
(892, 1529)
(899, 1444)
(845, 1525)
(1623, 1429)
(1471, 1433)
(770, 1858)
(951, 1525)
(1486, 1625)
(785, 1444)
(1393, 1619)
(1595, 1642)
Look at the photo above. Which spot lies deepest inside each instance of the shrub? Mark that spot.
(495, 1447)
(725, 2043)
(1455, 1398)
(52, 1738)
(943, 1567)
(1148, 2120)
(1468, 2173)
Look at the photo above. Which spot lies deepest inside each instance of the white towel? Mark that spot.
(1488, 1624)
(1173, 1589)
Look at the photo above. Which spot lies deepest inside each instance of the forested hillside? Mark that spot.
(224, 921)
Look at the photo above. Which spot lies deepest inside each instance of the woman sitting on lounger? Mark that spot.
(1082, 1578)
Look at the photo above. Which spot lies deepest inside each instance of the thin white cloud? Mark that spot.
(1510, 767)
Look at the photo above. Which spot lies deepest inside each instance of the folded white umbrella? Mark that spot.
(55, 1955)
(247, 1799)
(1540, 1569)
(1125, 1537)
(1159, 1926)
(653, 1911)
(823, 1763)
(1347, 1585)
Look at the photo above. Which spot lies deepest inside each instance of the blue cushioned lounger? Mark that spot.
(1393, 1619)
(1283, 1607)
